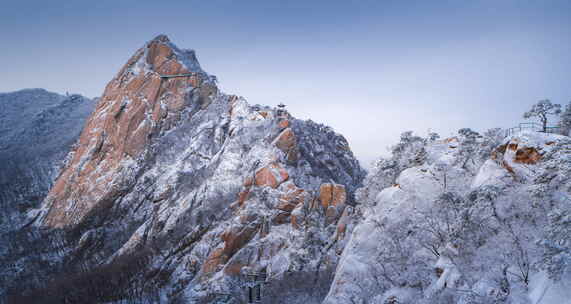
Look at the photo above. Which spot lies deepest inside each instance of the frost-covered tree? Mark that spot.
(433, 136)
(409, 152)
(541, 110)
(565, 120)
(556, 258)
(491, 139)
(468, 146)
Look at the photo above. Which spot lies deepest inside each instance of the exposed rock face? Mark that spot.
(137, 106)
(519, 154)
(332, 195)
(201, 183)
(272, 176)
(37, 130)
(527, 156)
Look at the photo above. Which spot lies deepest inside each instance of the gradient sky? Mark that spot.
(369, 69)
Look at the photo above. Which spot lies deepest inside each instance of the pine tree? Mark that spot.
(541, 110)
(565, 120)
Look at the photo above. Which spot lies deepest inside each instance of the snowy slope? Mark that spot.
(37, 130)
(463, 230)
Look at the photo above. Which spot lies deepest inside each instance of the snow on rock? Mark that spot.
(543, 290)
(37, 130)
(420, 182)
(186, 191)
(491, 173)
(470, 219)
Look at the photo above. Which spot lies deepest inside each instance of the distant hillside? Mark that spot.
(37, 130)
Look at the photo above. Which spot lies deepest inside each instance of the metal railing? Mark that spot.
(179, 75)
(532, 126)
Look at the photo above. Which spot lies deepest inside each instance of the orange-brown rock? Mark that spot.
(232, 101)
(295, 221)
(233, 269)
(136, 105)
(265, 177)
(247, 217)
(234, 239)
(508, 167)
(343, 221)
(291, 198)
(341, 230)
(282, 124)
(512, 146)
(325, 195)
(281, 218)
(527, 156)
(331, 195)
(286, 205)
(499, 151)
(214, 260)
(292, 155)
(271, 176)
(286, 140)
(243, 196)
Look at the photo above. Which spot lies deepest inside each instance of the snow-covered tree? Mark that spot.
(541, 110)
(468, 146)
(565, 120)
(433, 136)
(556, 258)
(409, 152)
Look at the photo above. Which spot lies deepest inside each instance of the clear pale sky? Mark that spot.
(369, 69)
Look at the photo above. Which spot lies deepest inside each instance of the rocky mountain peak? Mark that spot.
(206, 186)
(138, 105)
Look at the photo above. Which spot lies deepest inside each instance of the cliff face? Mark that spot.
(37, 130)
(137, 107)
(198, 189)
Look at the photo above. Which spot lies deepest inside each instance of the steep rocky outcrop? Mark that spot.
(198, 187)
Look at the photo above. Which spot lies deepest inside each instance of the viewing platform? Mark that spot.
(532, 126)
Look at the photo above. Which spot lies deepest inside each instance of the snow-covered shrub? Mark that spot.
(409, 152)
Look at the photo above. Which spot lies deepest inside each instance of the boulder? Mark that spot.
(234, 239)
(271, 176)
(332, 195)
(290, 199)
(286, 140)
(528, 156)
(283, 124)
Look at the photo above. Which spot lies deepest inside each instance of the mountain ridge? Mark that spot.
(206, 185)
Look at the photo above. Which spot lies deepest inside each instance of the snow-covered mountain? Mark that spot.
(37, 130)
(176, 192)
(468, 219)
